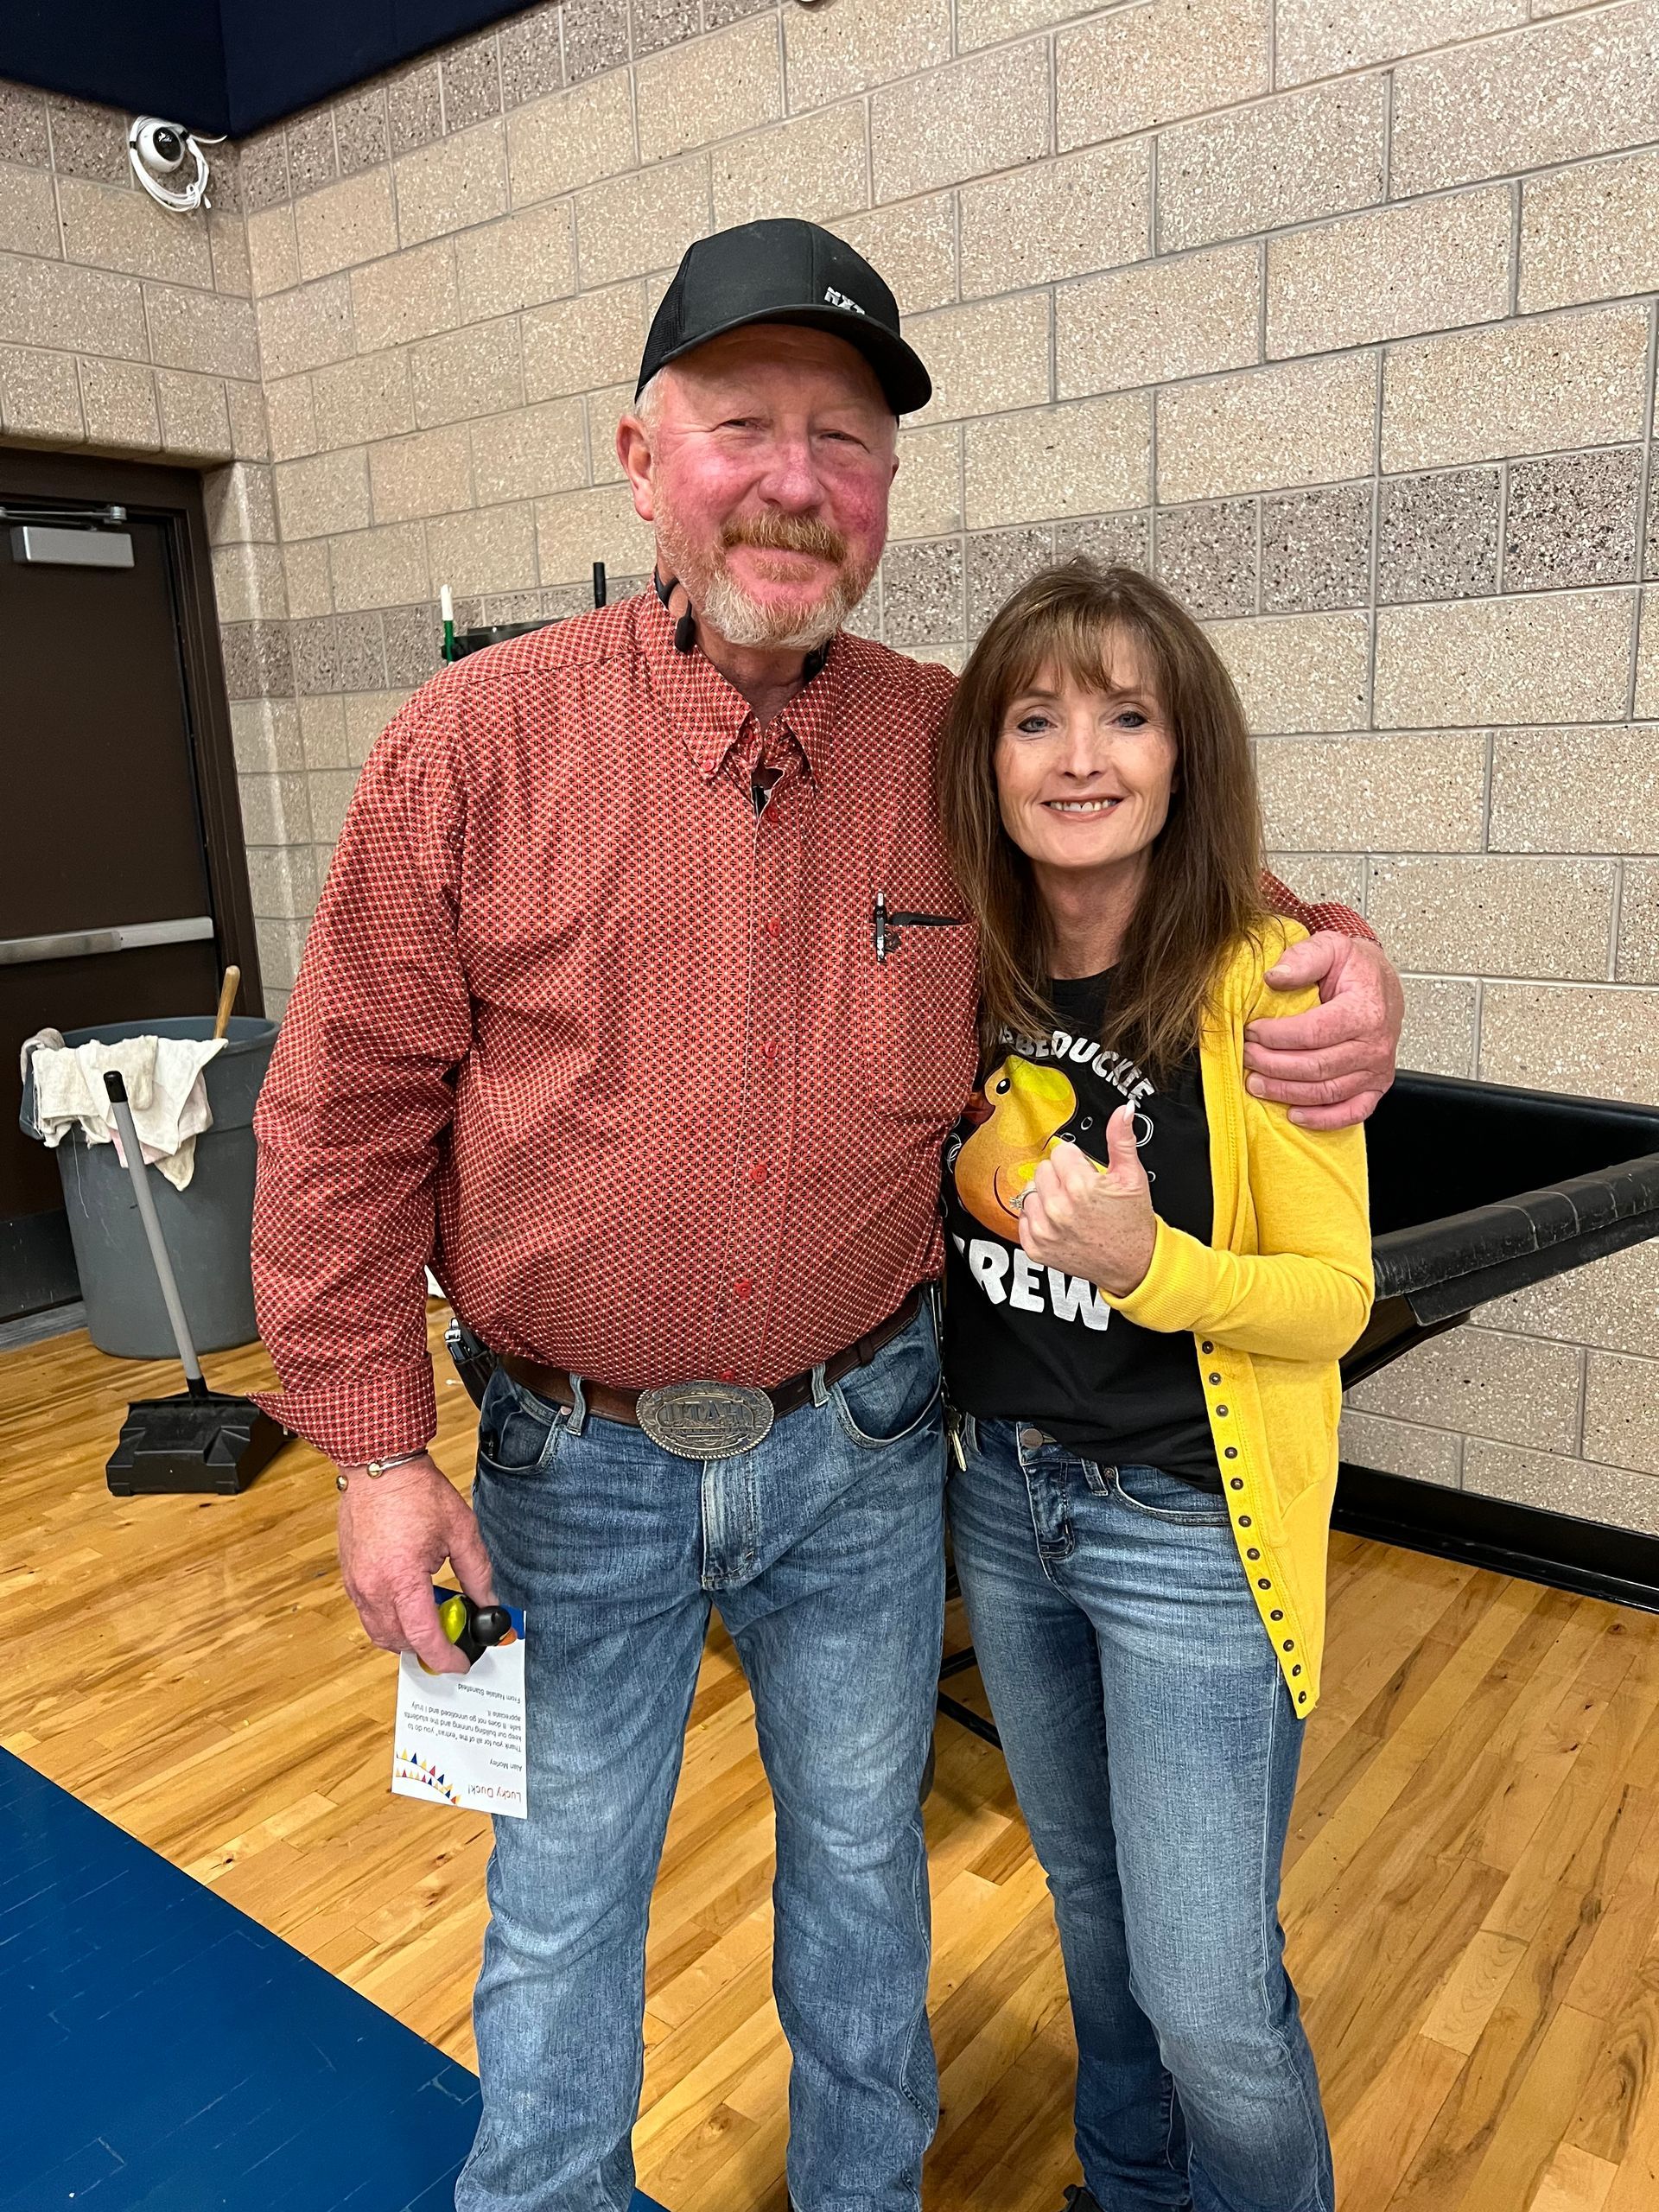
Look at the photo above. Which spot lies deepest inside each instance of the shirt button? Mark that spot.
(742, 1288)
(726, 1375)
(769, 1054)
(758, 1174)
(773, 926)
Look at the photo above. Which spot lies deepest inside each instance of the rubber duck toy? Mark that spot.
(1019, 1115)
(472, 1629)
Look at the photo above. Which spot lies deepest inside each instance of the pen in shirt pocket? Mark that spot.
(887, 922)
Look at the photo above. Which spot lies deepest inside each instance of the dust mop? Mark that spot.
(204, 1440)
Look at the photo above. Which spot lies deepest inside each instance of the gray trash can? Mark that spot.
(207, 1225)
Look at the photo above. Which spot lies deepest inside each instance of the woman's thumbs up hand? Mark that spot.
(1092, 1220)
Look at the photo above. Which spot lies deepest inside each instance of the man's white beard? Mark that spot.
(744, 621)
(721, 600)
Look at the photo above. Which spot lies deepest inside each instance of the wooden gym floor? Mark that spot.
(1472, 1893)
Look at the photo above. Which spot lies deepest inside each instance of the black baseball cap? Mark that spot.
(784, 271)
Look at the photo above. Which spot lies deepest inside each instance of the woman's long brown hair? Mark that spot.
(1202, 891)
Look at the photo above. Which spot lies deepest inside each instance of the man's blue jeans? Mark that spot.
(823, 1551)
(1153, 1750)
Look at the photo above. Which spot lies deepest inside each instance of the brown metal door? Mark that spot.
(104, 830)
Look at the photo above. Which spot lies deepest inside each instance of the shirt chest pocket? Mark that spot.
(922, 984)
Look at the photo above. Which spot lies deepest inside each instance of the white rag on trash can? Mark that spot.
(164, 1089)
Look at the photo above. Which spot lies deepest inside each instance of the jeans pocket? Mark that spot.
(518, 1432)
(1167, 1498)
(898, 1392)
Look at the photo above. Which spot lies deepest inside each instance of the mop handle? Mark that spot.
(116, 1086)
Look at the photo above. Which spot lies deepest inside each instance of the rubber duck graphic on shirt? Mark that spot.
(1020, 1113)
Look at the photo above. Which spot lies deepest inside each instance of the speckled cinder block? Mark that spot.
(1400, 1447)
(118, 401)
(1592, 790)
(107, 226)
(273, 250)
(1560, 656)
(1513, 1389)
(690, 95)
(1319, 38)
(430, 473)
(1494, 914)
(914, 245)
(1055, 219)
(1163, 319)
(1301, 422)
(23, 135)
(595, 37)
(1437, 536)
(414, 107)
(257, 664)
(304, 327)
(1585, 1491)
(643, 221)
(327, 492)
(1621, 1412)
(558, 144)
(985, 357)
(921, 592)
(816, 167)
(990, 111)
(87, 141)
(1439, 1037)
(999, 562)
(1637, 960)
(1595, 1043)
(410, 295)
(1571, 519)
(275, 808)
(1109, 541)
(658, 23)
(1316, 548)
(311, 588)
(73, 310)
(575, 529)
(361, 139)
(458, 181)
(594, 340)
(472, 82)
(265, 736)
(926, 497)
(1553, 93)
(1287, 160)
(350, 221)
(531, 55)
(195, 419)
(1206, 555)
(1082, 458)
(378, 568)
(475, 370)
(1612, 1302)
(1139, 66)
(357, 400)
(1423, 790)
(282, 882)
(40, 394)
(1391, 273)
(1299, 672)
(530, 452)
(1560, 381)
(832, 52)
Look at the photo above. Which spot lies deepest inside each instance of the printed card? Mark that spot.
(460, 1737)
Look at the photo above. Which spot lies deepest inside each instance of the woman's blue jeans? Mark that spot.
(1153, 1750)
(823, 1551)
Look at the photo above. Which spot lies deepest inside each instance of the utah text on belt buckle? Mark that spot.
(705, 1420)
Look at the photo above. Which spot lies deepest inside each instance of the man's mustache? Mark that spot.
(776, 533)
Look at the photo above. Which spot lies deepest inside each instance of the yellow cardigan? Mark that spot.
(1273, 1302)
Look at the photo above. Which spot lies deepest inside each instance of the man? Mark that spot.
(640, 1001)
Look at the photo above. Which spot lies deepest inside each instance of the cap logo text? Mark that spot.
(840, 300)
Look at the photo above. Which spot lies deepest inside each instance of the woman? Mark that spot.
(1151, 1277)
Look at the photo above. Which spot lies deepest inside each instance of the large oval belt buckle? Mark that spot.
(705, 1420)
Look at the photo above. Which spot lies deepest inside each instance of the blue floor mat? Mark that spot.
(164, 2053)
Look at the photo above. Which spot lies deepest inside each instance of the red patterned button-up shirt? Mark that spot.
(607, 1041)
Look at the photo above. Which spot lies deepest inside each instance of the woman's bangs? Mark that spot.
(1079, 645)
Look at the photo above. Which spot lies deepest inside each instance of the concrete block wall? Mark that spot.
(1338, 313)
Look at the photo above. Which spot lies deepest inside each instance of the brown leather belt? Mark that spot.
(554, 1383)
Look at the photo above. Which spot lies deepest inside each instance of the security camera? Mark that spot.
(168, 160)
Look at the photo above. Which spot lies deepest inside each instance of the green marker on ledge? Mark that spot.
(447, 608)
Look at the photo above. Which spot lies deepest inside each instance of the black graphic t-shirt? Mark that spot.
(1028, 1342)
